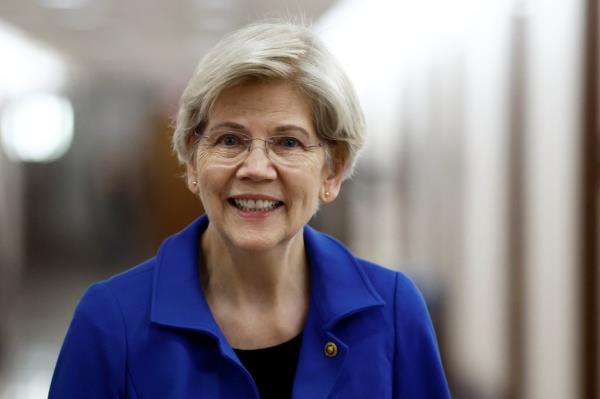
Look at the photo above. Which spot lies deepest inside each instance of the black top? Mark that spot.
(273, 368)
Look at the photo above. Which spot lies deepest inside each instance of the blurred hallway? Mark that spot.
(480, 179)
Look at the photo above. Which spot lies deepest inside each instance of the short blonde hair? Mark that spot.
(277, 51)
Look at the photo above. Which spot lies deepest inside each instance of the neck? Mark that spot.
(266, 278)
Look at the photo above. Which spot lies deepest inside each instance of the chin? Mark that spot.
(258, 241)
(254, 246)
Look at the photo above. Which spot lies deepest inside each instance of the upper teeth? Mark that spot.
(255, 204)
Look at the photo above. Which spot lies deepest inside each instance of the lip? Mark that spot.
(255, 197)
(254, 214)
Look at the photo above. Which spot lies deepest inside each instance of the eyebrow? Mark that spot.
(231, 125)
(287, 128)
(278, 129)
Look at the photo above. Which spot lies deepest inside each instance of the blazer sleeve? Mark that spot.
(417, 363)
(91, 363)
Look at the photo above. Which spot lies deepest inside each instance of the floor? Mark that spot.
(39, 314)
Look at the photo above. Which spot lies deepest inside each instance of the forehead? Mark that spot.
(258, 104)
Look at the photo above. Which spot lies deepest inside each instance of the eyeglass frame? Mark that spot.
(249, 143)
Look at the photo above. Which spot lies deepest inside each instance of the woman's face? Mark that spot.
(258, 202)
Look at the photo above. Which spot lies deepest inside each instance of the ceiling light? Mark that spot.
(27, 65)
(37, 128)
(64, 4)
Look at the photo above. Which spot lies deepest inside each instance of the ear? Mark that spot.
(191, 177)
(330, 187)
(333, 174)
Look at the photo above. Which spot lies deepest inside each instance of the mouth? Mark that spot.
(255, 205)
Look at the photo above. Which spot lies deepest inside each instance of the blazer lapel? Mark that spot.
(339, 289)
(317, 372)
(178, 300)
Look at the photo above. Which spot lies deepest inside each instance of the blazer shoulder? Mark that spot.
(376, 271)
(392, 282)
(92, 359)
(129, 292)
(392, 285)
(132, 280)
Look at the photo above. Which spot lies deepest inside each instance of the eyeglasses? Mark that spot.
(231, 147)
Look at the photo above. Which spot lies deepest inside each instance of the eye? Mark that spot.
(229, 140)
(287, 142)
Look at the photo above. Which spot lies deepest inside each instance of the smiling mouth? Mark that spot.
(250, 205)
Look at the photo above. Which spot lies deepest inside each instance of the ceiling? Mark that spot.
(154, 41)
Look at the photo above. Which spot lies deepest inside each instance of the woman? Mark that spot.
(248, 301)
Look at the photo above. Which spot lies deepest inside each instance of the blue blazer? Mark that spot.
(149, 333)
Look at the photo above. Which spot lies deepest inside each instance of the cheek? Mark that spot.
(215, 181)
(206, 169)
(307, 185)
(211, 179)
(201, 161)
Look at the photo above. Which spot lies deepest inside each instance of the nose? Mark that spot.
(257, 166)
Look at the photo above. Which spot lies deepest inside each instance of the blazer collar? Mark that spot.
(177, 297)
(339, 285)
